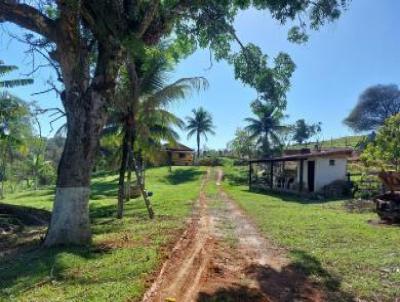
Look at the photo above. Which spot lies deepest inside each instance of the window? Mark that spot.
(332, 162)
(182, 155)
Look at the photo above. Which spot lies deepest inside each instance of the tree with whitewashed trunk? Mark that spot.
(85, 39)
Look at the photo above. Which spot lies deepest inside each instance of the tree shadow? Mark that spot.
(291, 197)
(179, 176)
(292, 283)
(35, 193)
(104, 188)
(38, 266)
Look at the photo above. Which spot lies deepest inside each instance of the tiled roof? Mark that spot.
(177, 147)
(308, 154)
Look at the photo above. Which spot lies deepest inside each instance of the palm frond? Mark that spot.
(15, 83)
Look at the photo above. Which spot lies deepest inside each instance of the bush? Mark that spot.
(47, 174)
(210, 161)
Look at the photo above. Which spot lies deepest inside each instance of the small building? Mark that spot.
(178, 155)
(301, 170)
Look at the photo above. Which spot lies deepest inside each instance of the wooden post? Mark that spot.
(271, 174)
(250, 174)
(301, 175)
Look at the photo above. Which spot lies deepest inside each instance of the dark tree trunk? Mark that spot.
(128, 180)
(70, 218)
(122, 171)
(85, 104)
(198, 145)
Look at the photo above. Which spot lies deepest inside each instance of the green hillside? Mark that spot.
(341, 142)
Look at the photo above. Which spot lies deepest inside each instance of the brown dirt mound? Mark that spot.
(20, 225)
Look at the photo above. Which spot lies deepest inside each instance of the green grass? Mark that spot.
(341, 250)
(125, 253)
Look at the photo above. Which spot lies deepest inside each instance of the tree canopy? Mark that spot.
(242, 144)
(200, 124)
(374, 106)
(384, 150)
(303, 131)
(266, 126)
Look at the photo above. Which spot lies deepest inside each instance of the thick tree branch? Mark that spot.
(148, 17)
(28, 17)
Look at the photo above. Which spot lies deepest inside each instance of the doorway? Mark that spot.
(311, 176)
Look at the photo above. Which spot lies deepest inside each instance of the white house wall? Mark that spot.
(324, 173)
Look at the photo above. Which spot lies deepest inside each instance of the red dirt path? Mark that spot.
(222, 257)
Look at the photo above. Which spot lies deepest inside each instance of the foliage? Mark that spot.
(210, 161)
(303, 131)
(4, 70)
(153, 122)
(384, 151)
(265, 128)
(375, 105)
(15, 125)
(201, 123)
(236, 174)
(242, 145)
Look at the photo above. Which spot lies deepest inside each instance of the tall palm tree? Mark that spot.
(200, 124)
(143, 121)
(266, 126)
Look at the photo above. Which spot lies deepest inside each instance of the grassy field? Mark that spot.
(124, 255)
(339, 249)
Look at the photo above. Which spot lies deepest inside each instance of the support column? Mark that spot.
(271, 175)
(301, 185)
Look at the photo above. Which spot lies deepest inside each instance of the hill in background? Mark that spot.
(341, 142)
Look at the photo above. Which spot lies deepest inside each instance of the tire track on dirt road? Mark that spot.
(222, 257)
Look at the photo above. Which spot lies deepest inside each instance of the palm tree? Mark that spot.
(266, 127)
(143, 121)
(13, 120)
(200, 124)
(4, 70)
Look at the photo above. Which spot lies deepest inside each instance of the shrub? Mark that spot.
(210, 161)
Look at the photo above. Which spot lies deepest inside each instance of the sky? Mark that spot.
(338, 62)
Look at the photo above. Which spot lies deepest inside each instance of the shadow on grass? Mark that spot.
(179, 176)
(291, 283)
(35, 193)
(37, 267)
(104, 188)
(288, 197)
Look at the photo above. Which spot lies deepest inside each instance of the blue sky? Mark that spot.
(339, 61)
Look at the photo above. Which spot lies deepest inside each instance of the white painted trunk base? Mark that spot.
(70, 217)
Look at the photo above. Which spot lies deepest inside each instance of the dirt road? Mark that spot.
(222, 257)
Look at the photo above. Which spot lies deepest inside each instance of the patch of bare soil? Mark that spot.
(21, 227)
(223, 257)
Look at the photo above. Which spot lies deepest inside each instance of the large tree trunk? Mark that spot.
(70, 223)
